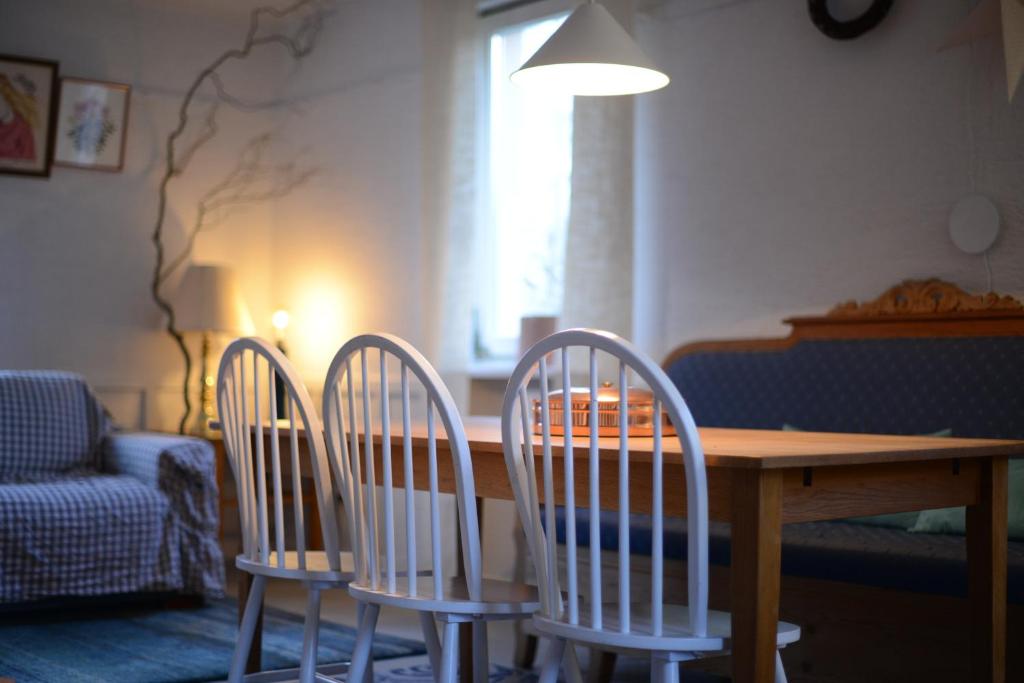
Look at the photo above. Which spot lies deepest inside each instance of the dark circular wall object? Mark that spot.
(847, 30)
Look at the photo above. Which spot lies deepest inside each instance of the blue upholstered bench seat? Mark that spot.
(971, 386)
(900, 385)
(968, 385)
(839, 551)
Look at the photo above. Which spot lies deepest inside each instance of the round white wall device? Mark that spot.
(974, 224)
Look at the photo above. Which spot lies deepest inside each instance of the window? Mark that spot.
(526, 174)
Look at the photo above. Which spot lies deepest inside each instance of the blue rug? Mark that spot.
(412, 671)
(165, 646)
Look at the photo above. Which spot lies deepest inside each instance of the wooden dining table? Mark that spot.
(759, 480)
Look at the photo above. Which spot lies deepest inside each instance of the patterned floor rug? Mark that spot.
(163, 646)
(417, 670)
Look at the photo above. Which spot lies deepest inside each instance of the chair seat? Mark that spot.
(498, 597)
(676, 636)
(317, 568)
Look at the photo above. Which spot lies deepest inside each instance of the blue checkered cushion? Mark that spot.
(86, 511)
(182, 468)
(85, 535)
(49, 422)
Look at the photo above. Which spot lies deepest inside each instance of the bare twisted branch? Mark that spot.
(250, 181)
(298, 43)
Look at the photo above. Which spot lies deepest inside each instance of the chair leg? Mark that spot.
(364, 642)
(247, 628)
(780, 673)
(481, 663)
(310, 636)
(549, 672)
(526, 650)
(449, 653)
(602, 666)
(360, 610)
(571, 662)
(430, 639)
(664, 670)
(672, 673)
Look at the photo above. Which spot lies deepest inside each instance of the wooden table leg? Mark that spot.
(756, 567)
(466, 629)
(254, 664)
(986, 573)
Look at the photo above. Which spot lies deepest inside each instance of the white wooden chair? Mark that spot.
(669, 633)
(247, 403)
(356, 383)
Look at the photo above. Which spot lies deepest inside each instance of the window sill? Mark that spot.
(492, 369)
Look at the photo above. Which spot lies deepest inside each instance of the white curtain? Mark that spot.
(598, 279)
(599, 249)
(452, 50)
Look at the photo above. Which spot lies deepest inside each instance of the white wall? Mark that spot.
(342, 252)
(75, 250)
(348, 248)
(779, 173)
(782, 172)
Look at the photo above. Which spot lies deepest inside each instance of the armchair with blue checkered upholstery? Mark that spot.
(87, 511)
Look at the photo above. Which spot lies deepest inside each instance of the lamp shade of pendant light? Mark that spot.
(590, 54)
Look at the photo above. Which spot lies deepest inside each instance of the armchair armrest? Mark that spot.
(183, 468)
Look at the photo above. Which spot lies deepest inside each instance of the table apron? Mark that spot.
(809, 494)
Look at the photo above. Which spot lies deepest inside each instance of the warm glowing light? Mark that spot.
(319, 321)
(591, 79)
(280, 320)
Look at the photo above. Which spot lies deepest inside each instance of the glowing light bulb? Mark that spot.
(280, 320)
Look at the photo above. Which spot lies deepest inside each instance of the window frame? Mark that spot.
(484, 234)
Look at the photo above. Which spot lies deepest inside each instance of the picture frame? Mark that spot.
(92, 124)
(28, 114)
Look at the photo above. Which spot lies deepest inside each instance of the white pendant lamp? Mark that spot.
(590, 54)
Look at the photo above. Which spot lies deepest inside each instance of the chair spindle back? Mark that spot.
(250, 377)
(521, 449)
(358, 418)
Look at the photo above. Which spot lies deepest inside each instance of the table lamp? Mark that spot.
(209, 301)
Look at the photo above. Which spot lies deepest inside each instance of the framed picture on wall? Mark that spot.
(28, 97)
(92, 122)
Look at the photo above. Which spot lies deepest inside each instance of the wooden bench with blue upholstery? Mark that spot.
(924, 358)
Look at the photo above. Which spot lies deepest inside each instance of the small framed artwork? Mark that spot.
(91, 124)
(28, 98)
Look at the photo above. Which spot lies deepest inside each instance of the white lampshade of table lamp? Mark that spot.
(591, 54)
(210, 300)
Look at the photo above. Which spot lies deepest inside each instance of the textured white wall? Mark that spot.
(782, 172)
(75, 250)
(779, 173)
(347, 249)
(342, 252)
